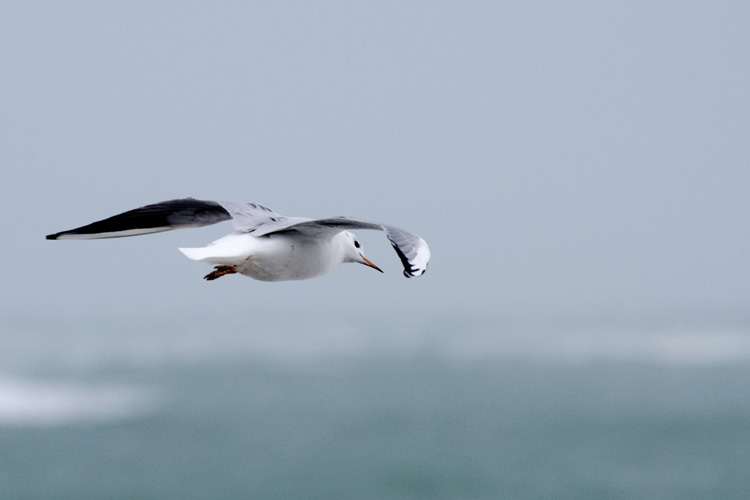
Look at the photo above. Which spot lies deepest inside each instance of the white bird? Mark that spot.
(266, 246)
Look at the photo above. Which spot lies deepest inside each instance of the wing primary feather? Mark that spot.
(154, 218)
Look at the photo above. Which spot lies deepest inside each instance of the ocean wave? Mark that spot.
(37, 403)
(290, 340)
(675, 348)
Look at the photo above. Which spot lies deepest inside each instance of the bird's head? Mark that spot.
(356, 253)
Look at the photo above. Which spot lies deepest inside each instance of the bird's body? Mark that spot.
(266, 246)
(276, 257)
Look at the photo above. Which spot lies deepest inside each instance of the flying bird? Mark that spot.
(265, 245)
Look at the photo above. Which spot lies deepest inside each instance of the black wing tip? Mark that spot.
(413, 273)
(410, 271)
(53, 236)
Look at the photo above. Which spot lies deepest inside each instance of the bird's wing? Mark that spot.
(163, 216)
(411, 249)
(256, 219)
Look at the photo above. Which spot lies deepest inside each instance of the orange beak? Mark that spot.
(368, 263)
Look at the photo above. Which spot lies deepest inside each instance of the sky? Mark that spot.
(558, 157)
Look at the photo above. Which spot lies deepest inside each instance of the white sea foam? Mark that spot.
(36, 403)
(676, 348)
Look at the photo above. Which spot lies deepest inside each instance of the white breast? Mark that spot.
(298, 257)
(277, 257)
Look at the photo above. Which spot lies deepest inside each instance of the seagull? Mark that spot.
(265, 245)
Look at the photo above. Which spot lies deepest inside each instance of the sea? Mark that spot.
(366, 406)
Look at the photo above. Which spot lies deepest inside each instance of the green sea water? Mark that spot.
(453, 410)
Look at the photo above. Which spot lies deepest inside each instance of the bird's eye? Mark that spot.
(356, 244)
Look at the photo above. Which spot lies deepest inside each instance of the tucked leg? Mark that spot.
(220, 271)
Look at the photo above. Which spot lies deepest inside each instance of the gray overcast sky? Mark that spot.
(557, 156)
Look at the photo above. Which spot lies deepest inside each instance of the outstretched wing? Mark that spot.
(163, 216)
(411, 249)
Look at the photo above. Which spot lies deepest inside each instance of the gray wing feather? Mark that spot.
(256, 219)
(154, 218)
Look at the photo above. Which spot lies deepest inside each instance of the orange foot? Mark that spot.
(220, 271)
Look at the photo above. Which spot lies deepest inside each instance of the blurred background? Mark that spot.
(580, 171)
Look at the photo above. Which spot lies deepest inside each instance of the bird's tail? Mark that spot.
(228, 250)
(198, 254)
